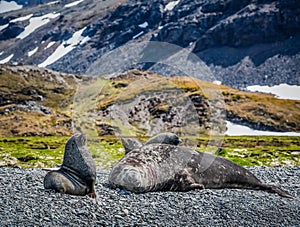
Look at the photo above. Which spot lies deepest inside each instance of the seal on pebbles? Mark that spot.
(77, 174)
(168, 167)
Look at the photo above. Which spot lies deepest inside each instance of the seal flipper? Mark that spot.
(130, 144)
(184, 182)
(274, 189)
(92, 192)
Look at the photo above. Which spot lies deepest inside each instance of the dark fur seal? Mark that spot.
(161, 167)
(165, 138)
(162, 138)
(77, 173)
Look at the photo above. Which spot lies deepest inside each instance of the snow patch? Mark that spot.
(66, 47)
(282, 91)
(35, 23)
(240, 130)
(50, 44)
(3, 27)
(21, 18)
(5, 60)
(73, 3)
(6, 6)
(170, 6)
(138, 35)
(144, 25)
(217, 82)
(32, 52)
(84, 40)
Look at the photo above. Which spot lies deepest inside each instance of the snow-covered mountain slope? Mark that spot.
(244, 42)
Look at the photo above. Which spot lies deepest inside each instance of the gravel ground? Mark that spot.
(25, 202)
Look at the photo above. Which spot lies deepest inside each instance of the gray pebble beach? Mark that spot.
(25, 202)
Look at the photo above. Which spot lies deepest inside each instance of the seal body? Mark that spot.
(77, 174)
(161, 167)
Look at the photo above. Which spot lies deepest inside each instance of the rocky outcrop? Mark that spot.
(31, 2)
(258, 31)
(35, 101)
(225, 33)
(38, 101)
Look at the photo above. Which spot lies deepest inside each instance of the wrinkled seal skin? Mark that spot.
(162, 167)
(77, 174)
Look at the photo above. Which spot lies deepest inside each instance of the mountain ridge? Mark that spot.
(244, 43)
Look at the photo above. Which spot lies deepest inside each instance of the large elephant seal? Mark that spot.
(161, 167)
(77, 173)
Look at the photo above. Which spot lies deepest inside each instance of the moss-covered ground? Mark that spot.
(245, 150)
(260, 150)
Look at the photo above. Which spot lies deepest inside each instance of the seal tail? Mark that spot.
(274, 189)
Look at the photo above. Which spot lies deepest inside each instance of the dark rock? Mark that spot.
(3, 21)
(11, 31)
(5, 99)
(106, 129)
(31, 2)
(29, 91)
(61, 35)
(28, 106)
(253, 24)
